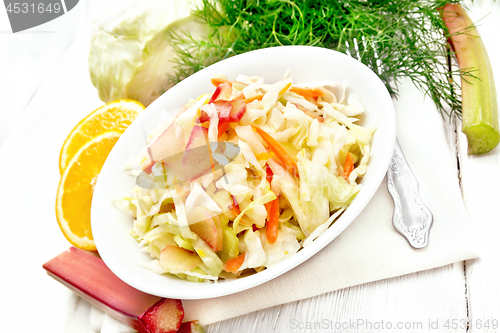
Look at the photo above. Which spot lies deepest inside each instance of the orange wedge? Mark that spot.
(74, 194)
(117, 115)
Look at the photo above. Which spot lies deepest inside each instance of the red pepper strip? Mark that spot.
(273, 218)
(235, 208)
(232, 265)
(222, 128)
(306, 92)
(279, 151)
(348, 166)
(269, 174)
(222, 92)
(251, 99)
(216, 81)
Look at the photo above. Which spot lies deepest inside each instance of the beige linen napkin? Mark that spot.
(370, 249)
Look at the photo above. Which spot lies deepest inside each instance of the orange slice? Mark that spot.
(117, 115)
(76, 187)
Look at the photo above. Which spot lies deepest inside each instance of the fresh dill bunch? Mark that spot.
(395, 39)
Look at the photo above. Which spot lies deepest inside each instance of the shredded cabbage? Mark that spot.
(225, 212)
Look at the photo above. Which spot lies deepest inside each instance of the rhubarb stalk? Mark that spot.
(479, 102)
(89, 277)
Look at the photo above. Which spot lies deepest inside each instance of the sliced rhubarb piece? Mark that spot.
(210, 230)
(224, 109)
(197, 159)
(177, 259)
(175, 164)
(196, 162)
(228, 111)
(198, 137)
(203, 117)
(191, 164)
(164, 317)
(147, 165)
(191, 327)
(168, 144)
(89, 277)
(238, 110)
(222, 92)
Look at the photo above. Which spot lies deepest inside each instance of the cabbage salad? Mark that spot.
(244, 177)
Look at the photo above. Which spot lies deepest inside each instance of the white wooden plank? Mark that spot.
(27, 59)
(415, 300)
(481, 191)
(260, 321)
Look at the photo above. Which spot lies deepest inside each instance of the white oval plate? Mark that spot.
(110, 226)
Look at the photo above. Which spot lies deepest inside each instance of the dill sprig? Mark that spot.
(395, 39)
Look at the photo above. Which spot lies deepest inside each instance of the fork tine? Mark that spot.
(347, 49)
(356, 48)
(378, 62)
(364, 42)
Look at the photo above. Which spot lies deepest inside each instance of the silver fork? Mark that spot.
(411, 217)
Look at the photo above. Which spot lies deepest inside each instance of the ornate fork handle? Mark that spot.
(411, 217)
